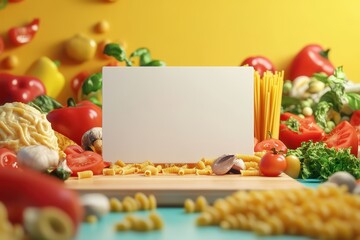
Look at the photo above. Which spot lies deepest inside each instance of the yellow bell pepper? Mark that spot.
(47, 71)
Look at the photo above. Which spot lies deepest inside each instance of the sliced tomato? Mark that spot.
(86, 160)
(71, 149)
(307, 130)
(343, 136)
(7, 158)
(269, 145)
(23, 34)
(355, 122)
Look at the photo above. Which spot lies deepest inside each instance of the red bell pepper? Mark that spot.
(23, 34)
(260, 64)
(2, 45)
(311, 59)
(21, 189)
(74, 121)
(19, 88)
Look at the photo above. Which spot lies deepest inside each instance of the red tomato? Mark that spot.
(7, 158)
(343, 136)
(21, 189)
(86, 160)
(308, 130)
(269, 144)
(355, 122)
(260, 64)
(23, 34)
(272, 164)
(71, 149)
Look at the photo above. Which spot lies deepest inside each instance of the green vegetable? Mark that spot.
(92, 89)
(321, 113)
(45, 104)
(353, 100)
(320, 162)
(293, 124)
(116, 51)
(3, 3)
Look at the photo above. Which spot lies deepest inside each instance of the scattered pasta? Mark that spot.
(328, 212)
(85, 174)
(131, 204)
(143, 224)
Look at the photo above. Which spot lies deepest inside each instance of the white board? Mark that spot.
(177, 114)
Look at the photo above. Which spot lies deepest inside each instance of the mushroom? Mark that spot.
(92, 140)
(343, 178)
(38, 157)
(227, 163)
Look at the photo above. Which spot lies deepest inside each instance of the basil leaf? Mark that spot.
(353, 100)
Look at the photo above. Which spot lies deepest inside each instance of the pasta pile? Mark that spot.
(22, 125)
(328, 212)
(130, 204)
(131, 222)
(267, 104)
(7, 230)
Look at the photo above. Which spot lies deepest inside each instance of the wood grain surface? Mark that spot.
(172, 190)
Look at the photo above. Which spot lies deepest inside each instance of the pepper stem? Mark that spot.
(71, 102)
(325, 53)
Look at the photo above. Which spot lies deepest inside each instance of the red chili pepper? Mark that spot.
(311, 59)
(74, 121)
(19, 88)
(260, 64)
(76, 82)
(21, 189)
(24, 34)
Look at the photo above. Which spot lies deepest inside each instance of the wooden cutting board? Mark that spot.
(172, 190)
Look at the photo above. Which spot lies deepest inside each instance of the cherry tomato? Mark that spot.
(355, 122)
(260, 64)
(272, 164)
(269, 144)
(21, 189)
(24, 34)
(308, 130)
(293, 166)
(7, 158)
(83, 161)
(343, 136)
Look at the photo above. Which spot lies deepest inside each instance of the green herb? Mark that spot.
(45, 104)
(320, 162)
(293, 124)
(320, 113)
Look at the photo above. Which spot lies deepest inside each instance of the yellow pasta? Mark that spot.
(153, 170)
(173, 169)
(201, 203)
(200, 165)
(144, 201)
(310, 212)
(248, 158)
(157, 220)
(91, 219)
(267, 104)
(183, 171)
(130, 204)
(120, 163)
(205, 171)
(254, 165)
(152, 202)
(115, 205)
(126, 171)
(85, 174)
(108, 172)
(208, 161)
(189, 205)
(250, 172)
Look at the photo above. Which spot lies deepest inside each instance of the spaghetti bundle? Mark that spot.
(267, 104)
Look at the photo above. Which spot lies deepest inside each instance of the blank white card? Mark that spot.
(177, 114)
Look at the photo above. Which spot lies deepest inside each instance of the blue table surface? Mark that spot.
(178, 225)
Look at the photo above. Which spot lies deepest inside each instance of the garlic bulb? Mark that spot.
(38, 157)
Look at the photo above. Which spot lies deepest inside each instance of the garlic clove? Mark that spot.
(92, 140)
(38, 157)
(223, 164)
(95, 204)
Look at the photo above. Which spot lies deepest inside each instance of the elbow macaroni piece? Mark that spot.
(85, 174)
(143, 224)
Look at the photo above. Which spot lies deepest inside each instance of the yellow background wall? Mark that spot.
(190, 32)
